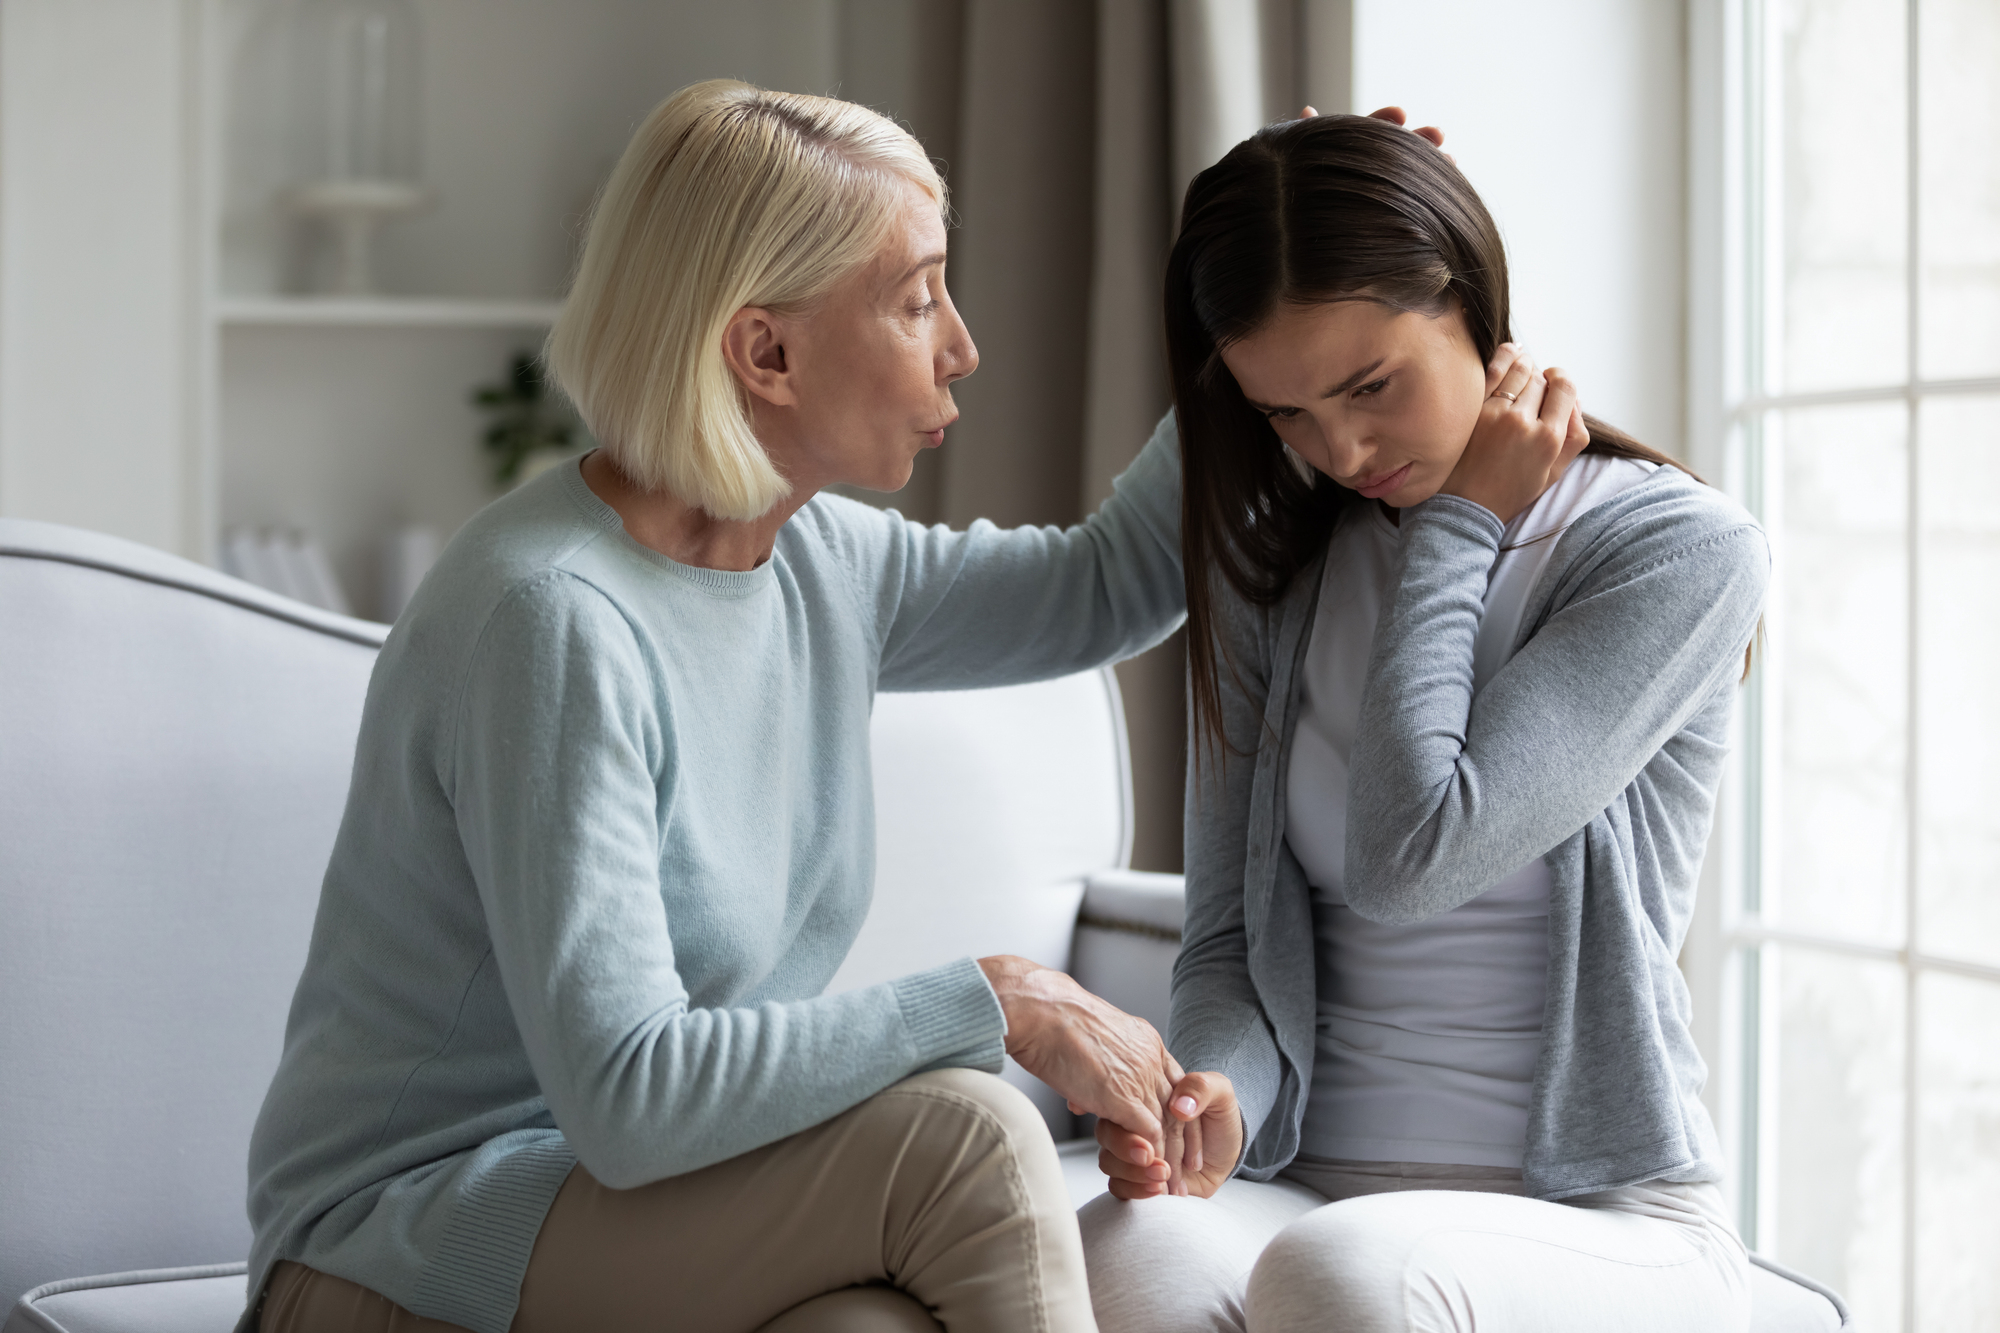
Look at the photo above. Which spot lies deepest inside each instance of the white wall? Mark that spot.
(96, 266)
(1568, 116)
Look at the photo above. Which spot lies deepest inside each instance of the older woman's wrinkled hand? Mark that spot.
(1106, 1062)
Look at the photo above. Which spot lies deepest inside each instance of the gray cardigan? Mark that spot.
(1599, 745)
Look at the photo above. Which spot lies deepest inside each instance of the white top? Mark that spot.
(1428, 1034)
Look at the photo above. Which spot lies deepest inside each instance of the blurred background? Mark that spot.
(273, 274)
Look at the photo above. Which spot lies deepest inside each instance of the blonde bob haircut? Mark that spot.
(728, 196)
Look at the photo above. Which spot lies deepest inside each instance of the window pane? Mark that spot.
(1839, 1127)
(1844, 119)
(1839, 642)
(1958, 1173)
(1958, 841)
(1959, 1155)
(1960, 206)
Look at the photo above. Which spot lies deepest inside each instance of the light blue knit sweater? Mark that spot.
(610, 833)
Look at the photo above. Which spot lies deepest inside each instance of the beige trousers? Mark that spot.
(937, 1202)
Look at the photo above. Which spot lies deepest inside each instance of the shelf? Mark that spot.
(383, 312)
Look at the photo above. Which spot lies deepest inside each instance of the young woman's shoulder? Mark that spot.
(1666, 515)
(1668, 520)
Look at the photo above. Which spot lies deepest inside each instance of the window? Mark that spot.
(1862, 872)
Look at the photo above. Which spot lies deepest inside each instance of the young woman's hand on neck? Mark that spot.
(1530, 427)
(846, 393)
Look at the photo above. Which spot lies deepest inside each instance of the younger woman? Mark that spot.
(1463, 662)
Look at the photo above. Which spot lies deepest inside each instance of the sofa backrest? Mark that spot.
(992, 807)
(174, 753)
(174, 757)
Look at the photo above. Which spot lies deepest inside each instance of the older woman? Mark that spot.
(560, 1057)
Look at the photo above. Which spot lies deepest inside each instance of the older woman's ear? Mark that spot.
(753, 346)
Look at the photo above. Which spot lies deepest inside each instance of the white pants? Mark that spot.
(1385, 1247)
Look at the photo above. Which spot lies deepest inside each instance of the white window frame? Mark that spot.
(1734, 184)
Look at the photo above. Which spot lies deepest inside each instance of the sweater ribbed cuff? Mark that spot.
(1466, 517)
(953, 1017)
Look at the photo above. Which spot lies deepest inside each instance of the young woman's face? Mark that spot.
(1381, 400)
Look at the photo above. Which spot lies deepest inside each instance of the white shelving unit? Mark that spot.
(394, 312)
(350, 418)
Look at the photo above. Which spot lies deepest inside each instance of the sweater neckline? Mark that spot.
(715, 582)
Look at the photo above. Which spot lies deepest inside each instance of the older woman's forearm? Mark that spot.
(685, 1088)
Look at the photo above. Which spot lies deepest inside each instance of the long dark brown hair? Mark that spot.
(1305, 212)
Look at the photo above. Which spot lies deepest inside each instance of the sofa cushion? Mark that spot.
(208, 1300)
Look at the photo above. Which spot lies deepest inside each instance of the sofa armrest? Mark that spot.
(1128, 934)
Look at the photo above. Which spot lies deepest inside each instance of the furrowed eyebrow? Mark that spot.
(1356, 380)
(1353, 381)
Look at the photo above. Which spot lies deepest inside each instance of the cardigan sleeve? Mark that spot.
(1462, 790)
(997, 606)
(1215, 1019)
(561, 773)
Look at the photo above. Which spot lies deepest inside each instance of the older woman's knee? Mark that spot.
(975, 1133)
(972, 1095)
(857, 1310)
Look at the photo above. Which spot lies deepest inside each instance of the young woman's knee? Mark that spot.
(1342, 1266)
(1164, 1265)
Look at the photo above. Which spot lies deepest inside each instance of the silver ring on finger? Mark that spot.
(1502, 393)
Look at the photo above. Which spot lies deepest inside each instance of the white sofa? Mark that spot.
(174, 755)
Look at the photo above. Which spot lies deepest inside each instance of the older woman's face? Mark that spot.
(873, 364)
(1381, 400)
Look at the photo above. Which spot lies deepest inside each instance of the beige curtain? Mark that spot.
(1068, 133)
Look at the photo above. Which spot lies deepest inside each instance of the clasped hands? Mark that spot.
(1160, 1130)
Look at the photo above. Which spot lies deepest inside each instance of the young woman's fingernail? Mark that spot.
(1184, 1105)
(1141, 1154)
